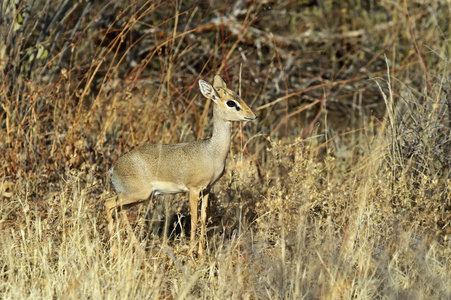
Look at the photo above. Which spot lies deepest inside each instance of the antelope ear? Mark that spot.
(219, 82)
(208, 90)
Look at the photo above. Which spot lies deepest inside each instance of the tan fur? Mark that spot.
(187, 167)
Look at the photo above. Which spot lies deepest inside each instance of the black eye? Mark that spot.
(231, 103)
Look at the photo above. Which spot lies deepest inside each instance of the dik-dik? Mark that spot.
(186, 167)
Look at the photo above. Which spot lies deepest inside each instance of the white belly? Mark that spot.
(162, 187)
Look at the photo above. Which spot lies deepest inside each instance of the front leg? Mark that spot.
(203, 221)
(193, 198)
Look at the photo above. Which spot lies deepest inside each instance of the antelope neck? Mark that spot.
(222, 132)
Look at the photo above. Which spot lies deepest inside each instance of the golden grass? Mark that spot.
(340, 190)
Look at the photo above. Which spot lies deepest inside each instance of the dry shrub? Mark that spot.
(418, 159)
(334, 193)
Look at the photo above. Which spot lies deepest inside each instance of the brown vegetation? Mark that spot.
(341, 190)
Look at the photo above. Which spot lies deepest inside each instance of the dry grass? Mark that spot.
(341, 190)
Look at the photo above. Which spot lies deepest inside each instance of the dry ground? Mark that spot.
(342, 189)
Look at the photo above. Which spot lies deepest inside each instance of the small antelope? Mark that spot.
(186, 167)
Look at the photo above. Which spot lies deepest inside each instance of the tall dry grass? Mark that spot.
(341, 190)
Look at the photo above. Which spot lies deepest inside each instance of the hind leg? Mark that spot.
(121, 200)
(110, 206)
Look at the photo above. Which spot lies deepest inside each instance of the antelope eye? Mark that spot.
(231, 103)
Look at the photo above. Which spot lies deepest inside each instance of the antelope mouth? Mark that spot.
(247, 119)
